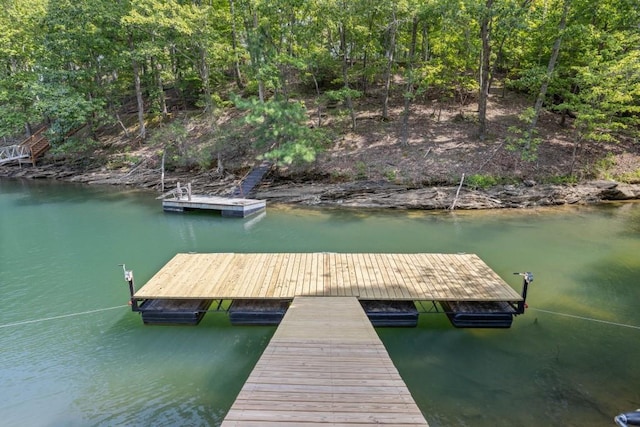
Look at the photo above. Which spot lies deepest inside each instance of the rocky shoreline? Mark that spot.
(356, 194)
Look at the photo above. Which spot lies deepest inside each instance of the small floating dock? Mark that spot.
(182, 200)
(228, 207)
(261, 286)
(330, 370)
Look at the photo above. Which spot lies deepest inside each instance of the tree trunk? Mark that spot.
(391, 47)
(254, 47)
(345, 74)
(425, 43)
(408, 96)
(545, 84)
(138, 87)
(485, 36)
(365, 56)
(494, 67)
(318, 95)
(162, 101)
(206, 84)
(234, 46)
(500, 53)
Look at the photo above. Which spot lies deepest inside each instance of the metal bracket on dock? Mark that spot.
(128, 277)
(431, 307)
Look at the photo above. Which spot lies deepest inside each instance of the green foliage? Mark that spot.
(75, 147)
(481, 181)
(522, 140)
(603, 166)
(66, 109)
(341, 95)
(179, 151)
(630, 177)
(362, 171)
(281, 129)
(17, 107)
(124, 161)
(71, 61)
(391, 175)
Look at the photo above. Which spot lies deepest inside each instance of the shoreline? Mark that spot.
(354, 194)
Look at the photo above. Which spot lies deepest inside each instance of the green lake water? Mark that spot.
(73, 354)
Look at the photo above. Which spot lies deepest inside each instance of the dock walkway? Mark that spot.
(320, 369)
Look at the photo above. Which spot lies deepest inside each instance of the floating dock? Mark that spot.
(173, 312)
(330, 370)
(228, 207)
(462, 285)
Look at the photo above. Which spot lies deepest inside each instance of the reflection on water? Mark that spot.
(60, 250)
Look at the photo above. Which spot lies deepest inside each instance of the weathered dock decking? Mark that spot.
(367, 276)
(330, 370)
(227, 206)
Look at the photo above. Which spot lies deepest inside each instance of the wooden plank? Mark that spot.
(268, 287)
(284, 281)
(318, 285)
(468, 274)
(435, 277)
(216, 271)
(233, 281)
(309, 284)
(410, 272)
(364, 291)
(396, 277)
(388, 276)
(384, 277)
(373, 281)
(425, 275)
(330, 369)
(255, 273)
(266, 274)
(328, 274)
(341, 270)
(450, 280)
(314, 274)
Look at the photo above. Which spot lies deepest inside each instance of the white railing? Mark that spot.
(13, 152)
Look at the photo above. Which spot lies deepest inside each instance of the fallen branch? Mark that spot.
(455, 199)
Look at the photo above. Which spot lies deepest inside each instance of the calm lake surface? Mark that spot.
(73, 354)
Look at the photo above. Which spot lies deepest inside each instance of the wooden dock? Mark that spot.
(229, 207)
(367, 276)
(330, 370)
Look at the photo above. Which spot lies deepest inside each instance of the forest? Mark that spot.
(284, 63)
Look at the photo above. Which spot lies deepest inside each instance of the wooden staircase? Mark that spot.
(37, 145)
(251, 180)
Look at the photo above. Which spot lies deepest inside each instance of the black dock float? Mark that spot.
(257, 312)
(173, 311)
(469, 314)
(391, 313)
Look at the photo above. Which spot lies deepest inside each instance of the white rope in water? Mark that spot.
(624, 325)
(26, 322)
